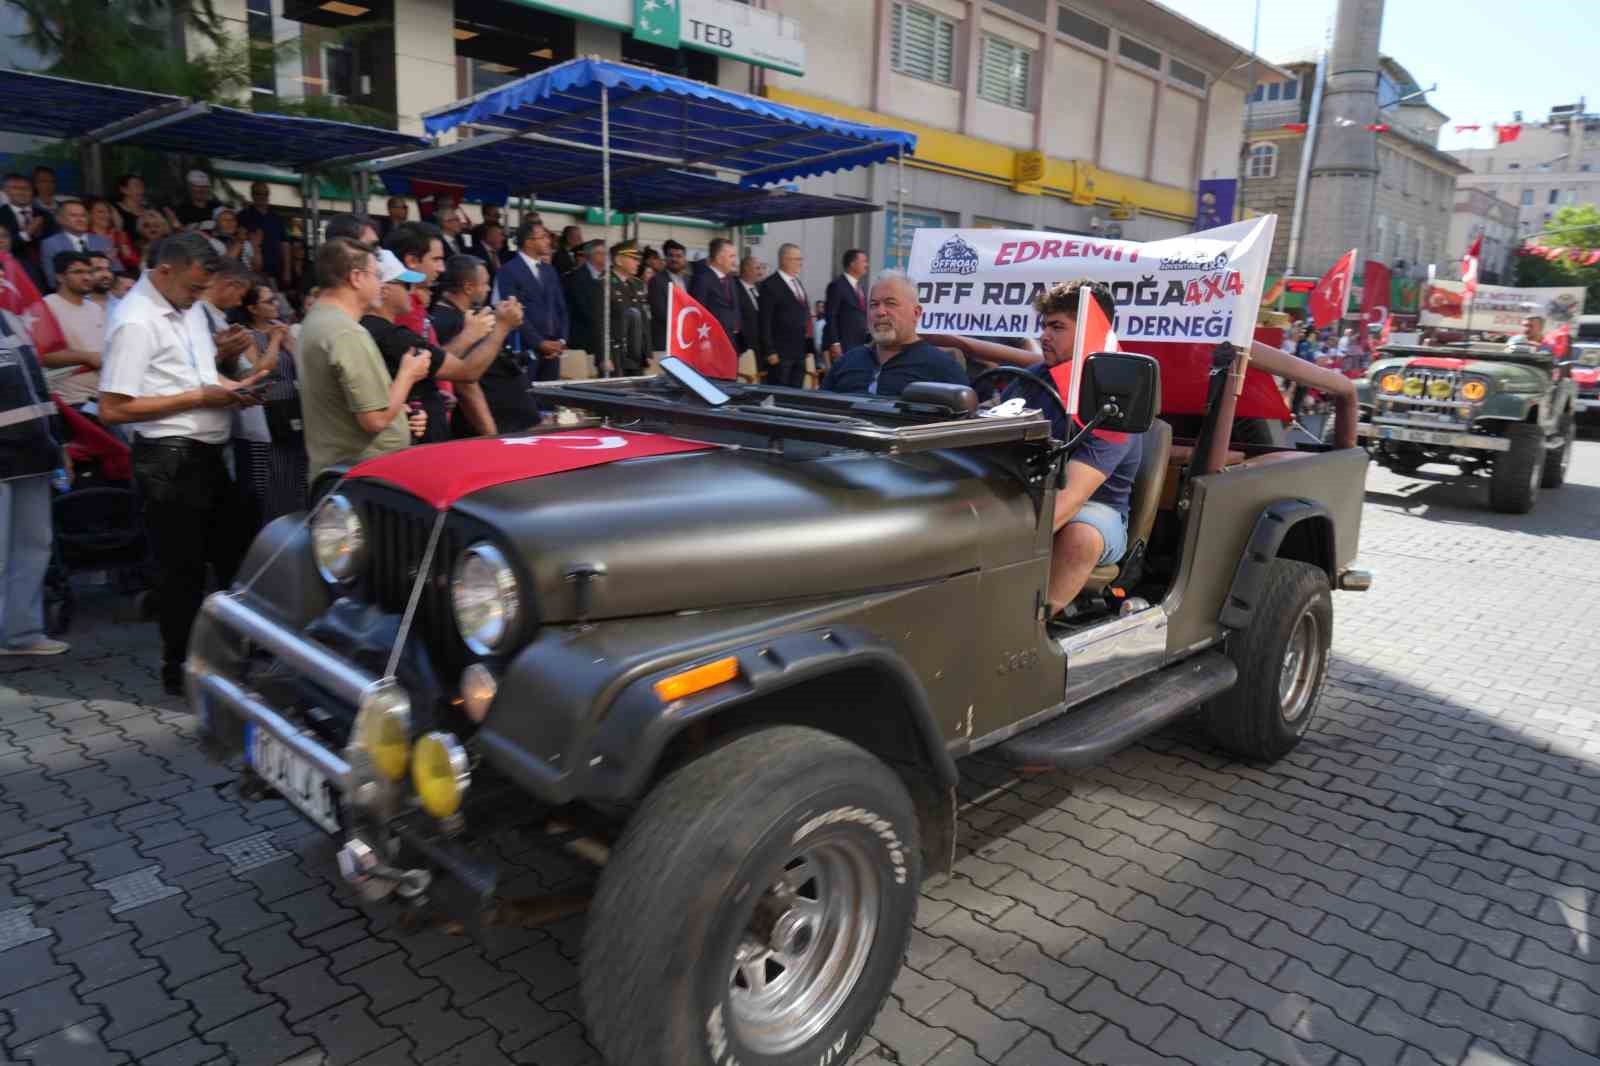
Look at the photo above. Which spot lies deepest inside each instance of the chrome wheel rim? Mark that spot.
(1302, 664)
(805, 946)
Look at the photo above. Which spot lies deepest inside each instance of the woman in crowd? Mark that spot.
(103, 221)
(130, 204)
(230, 240)
(274, 454)
(152, 227)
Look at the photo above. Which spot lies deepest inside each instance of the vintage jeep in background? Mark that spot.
(1476, 406)
(742, 635)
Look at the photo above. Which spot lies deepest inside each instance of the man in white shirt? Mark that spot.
(160, 372)
(74, 371)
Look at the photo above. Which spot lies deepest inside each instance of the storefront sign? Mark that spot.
(726, 27)
(1497, 308)
(1201, 288)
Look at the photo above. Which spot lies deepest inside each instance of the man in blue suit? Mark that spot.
(543, 334)
(74, 237)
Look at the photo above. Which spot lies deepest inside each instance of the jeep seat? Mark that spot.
(1143, 501)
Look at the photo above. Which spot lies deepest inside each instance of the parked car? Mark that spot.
(743, 634)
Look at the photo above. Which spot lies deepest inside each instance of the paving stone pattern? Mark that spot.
(1416, 884)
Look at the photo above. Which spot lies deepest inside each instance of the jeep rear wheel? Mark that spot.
(1514, 481)
(1282, 656)
(1556, 461)
(756, 909)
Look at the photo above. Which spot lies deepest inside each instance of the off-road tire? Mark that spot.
(1557, 461)
(1517, 474)
(678, 895)
(1405, 461)
(1250, 719)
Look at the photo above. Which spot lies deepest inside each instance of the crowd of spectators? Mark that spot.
(237, 370)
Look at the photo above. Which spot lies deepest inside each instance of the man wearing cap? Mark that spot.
(630, 312)
(395, 339)
(160, 373)
(351, 406)
(201, 206)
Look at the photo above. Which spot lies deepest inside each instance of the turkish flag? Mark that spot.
(1331, 296)
(1375, 293)
(428, 193)
(1469, 267)
(697, 338)
(17, 291)
(1093, 335)
(1507, 134)
(43, 327)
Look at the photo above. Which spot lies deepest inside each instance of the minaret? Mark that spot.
(1342, 195)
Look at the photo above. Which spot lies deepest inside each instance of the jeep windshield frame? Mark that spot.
(883, 425)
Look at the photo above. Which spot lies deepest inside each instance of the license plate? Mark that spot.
(299, 782)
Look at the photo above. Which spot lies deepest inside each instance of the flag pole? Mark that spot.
(605, 195)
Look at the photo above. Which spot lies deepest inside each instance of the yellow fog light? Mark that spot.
(1440, 389)
(383, 729)
(439, 773)
(1414, 386)
(478, 687)
(1391, 383)
(1474, 391)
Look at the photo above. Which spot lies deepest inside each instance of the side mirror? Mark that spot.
(959, 400)
(1129, 383)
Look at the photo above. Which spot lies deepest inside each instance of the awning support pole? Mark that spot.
(314, 208)
(360, 192)
(900, 209)
(605, 207)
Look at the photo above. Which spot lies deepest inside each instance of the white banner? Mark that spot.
(1199, 288)
(1497, 308)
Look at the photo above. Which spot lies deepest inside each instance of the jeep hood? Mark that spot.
(1505, 373)
(677, 525)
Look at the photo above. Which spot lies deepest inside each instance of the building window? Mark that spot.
(1003, 72)
(1399, 240)
(1290, 88)
(1139, 53)
(1263, 161)
(1188, 75)
(1585, 166)
(263, 64)
(1381, 239)
(1513, 166)
(1527, 197)
(1034, 9)
(338, 71)
(1274, 90)
(923, 45)
(1084, 29)
(1555, 194)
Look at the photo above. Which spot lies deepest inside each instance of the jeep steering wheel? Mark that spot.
(1032, 379)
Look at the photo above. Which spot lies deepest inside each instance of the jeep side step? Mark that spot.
(1108, 723)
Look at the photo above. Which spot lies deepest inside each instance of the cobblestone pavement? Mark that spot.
(1415, 884)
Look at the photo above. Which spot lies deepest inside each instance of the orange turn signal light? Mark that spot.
(681, 685)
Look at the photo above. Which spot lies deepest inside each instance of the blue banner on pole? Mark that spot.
(1214, 202)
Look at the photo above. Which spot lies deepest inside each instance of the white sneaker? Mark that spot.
(37, 646)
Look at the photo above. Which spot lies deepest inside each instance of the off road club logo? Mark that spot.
(955, 256)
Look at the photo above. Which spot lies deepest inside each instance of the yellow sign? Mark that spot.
(1030, 166)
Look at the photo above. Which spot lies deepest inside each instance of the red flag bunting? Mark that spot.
(1470, 126)
(1507, 134)
(697, 338)
(1296, 127)
(1469, 266)
(1378, 127)
(1329, 299)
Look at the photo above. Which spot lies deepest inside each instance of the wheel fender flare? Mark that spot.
(638, 726)
(1265, 543)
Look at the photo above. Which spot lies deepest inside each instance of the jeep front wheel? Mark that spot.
(1514, 481)
(1557, 460)
(756, 909)
(1282, 656)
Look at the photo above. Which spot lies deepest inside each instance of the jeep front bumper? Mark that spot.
(387, 844)
(1438, 438)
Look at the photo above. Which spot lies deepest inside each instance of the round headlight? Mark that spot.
(383, 729)
(337, 539)
(1414, 386)
(439, 773)
(1474, 391)
(1391, 383)
(1440, 389)
(484, 595)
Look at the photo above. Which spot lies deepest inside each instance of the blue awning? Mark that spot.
(491, 169)
(291, 141)
(46, 106)
(668, 116)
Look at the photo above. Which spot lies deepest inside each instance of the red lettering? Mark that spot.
(1234, 284)
(1005, 253)
(1213, 284)
(1091, 248)
(1191, 295)
(1026, 250)
(1051, 250)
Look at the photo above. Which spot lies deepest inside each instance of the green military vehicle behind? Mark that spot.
(1509, 410)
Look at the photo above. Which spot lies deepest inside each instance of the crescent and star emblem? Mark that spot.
(604, 443)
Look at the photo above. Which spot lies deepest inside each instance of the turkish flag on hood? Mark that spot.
(697, 338)
(1332, 294)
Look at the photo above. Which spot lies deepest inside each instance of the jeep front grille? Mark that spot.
(397, 538)
(1429, 396)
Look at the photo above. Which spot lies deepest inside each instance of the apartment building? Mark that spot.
(1479, 213)
(1551, 163)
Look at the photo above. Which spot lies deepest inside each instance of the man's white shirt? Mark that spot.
(153, 349)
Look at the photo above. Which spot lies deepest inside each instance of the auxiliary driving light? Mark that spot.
(1440, 389)
(1414, 386)
(439, 773)
(478, 688)
(1474, 391)
(383, 729)
(1391, 383)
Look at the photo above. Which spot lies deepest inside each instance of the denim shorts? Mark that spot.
(1112, 525)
